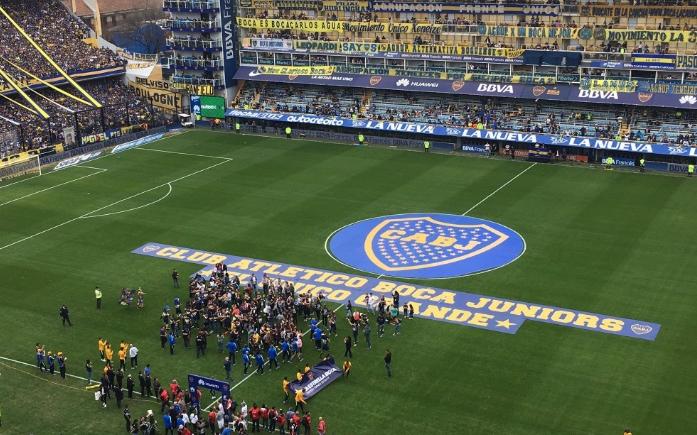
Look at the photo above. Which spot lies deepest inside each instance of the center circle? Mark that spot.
(425, 245)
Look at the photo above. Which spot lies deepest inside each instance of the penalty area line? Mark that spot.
(499, 189)
(87, 215)
(184, 154)
(53, 187)
(254, 372)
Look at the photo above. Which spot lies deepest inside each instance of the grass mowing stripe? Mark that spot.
(87, 215)
(499, 189)
(29, 195)
(184, 154)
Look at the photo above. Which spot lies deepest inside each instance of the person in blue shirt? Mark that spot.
(273, 354)
(228, 367)
(285, 351)
(180, 422)
(245, 361)
(317, 336)
(293, 347)
(51, 363)
(171, 340)
(231, 350)
(167, 423)
(260, 362)
(177, 305)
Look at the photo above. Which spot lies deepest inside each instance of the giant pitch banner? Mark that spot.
(462, 308)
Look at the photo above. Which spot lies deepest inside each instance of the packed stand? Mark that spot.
(57, 32)
(122, 107)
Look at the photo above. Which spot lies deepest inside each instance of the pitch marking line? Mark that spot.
(87, 215)
(169, 192)
(53, 187)
(499, 189)
(92, 384)
(254, 372)
(184, 154)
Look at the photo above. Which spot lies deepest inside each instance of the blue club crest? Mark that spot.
(425, 245)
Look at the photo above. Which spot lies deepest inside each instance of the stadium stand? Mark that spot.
(66, 40)
(646, 124)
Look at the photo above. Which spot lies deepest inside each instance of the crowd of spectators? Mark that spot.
(122, 107)
(624, 122)
(57, 32)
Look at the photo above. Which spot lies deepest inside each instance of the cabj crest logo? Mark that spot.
(425, 245)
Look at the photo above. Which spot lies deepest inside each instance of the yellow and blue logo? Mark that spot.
(425, 245)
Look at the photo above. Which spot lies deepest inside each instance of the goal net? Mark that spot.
(31, 165)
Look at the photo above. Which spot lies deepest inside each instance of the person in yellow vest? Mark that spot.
(286, 390)
(288, 132)
(101, 344)
(300, 399)
(642, 165)
(427, 146)
(299, 375)
(122, 358)
(480, 126)
(307, 368)
(609, 162)
(690, 169)
(237, 127)
(108, 352)
(361, 139)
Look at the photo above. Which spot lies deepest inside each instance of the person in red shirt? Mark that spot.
(265, 417)
(307, 423)
(164, 397)
(322, 426)
(185, 431)
(273, 414)
(211, 420)
(255, 412)
(281, 420)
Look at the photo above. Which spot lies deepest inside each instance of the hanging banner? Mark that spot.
(609, 85)
(465, 8)
(338, 26)
(227, 14)
(158, 93)
(296, 70)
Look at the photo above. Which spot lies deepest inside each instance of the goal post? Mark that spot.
(30, 165)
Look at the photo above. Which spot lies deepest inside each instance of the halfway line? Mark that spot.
(497, 190)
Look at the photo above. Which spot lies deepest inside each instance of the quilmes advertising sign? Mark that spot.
(204, 106)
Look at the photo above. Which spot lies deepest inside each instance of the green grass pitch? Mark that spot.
(608, 242)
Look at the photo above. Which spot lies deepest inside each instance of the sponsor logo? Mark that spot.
(639, 329)
(254, 73)
(76, 160)
(688, 99)
(375, 80)
(453, 131)
(151, 248)
(137, 143)
(407, 83)
(597, 95)
(538, 90)
(645, 97)
(497, 89)
(559, 140)
(292, 77)
(403, 82)
(359, 123)
(676, 150)
(426, 245)
(457, 85)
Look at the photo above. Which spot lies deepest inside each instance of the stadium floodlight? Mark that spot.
(48, 58)
(26, 97)
(45, 83)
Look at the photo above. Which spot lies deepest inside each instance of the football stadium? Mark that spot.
(348, 217)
